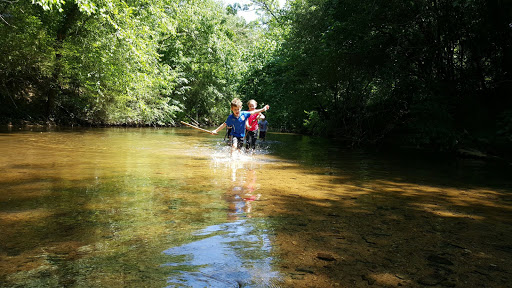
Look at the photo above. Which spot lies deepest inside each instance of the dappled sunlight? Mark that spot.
(398, 227)
(444, 212)
(29, 215)
(128, 209)
(388, 280)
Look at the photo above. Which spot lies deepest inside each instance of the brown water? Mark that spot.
(171, 207)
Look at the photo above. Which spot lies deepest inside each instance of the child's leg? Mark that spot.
(248, 138)
(237, 143)
(253, 140)
(240, 142)
(233, 142)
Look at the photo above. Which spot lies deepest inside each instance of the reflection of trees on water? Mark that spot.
(233, 254)
(237, 176)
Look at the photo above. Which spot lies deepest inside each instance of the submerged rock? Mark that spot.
(325, 256)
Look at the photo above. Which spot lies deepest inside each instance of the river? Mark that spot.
(171, 207)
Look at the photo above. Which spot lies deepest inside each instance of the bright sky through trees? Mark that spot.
(249, 15)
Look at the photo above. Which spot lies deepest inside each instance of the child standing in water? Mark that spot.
(251, 125)
(263, 125)
(236, 121)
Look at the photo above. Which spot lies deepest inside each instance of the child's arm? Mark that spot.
(259, 110)
(215, 132)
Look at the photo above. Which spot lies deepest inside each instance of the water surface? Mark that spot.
(170, 207)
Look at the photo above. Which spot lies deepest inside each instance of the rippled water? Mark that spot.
(171, 207)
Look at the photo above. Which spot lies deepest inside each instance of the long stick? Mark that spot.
(195, 127)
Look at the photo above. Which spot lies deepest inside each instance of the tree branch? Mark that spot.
(4, 20)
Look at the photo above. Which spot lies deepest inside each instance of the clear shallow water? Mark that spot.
(105, 207)
(231, 254)
(171, 207)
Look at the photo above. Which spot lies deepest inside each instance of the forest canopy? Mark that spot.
(434, 74)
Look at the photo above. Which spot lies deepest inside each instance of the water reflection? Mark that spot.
(98, 208)
(242, 193)
(232, 254)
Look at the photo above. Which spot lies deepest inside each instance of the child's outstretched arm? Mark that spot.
(260, 110)
(215, 132)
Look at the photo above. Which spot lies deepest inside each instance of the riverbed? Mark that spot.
(173, 207)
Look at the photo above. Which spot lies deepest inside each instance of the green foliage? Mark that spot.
(119, 62)
(504, 133)
(428, 73)
(25, 59)
(88, 62)
(364, 71)
(206, 50)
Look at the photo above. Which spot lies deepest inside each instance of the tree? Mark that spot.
(418, 72)
(207, 50)
(100, 65)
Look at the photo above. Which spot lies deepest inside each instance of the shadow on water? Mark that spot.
(402, 219)
(172, 208)
(98, 232)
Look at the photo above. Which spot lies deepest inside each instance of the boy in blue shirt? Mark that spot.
(236, 121)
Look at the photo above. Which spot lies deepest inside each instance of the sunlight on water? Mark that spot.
(99, 207)
(234, 254)
(173, 207)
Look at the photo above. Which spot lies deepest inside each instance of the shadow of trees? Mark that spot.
(395, 220)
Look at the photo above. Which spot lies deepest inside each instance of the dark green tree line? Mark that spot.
(425, 73)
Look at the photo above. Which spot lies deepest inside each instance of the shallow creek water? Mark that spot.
(171, 207)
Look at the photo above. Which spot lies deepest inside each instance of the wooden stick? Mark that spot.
(197, 128)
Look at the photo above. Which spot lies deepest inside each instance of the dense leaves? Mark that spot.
(423, 73)
(117, 62)
(205, 49)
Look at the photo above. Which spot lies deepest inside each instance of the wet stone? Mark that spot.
(443, 270)
(368, 279)
(431, 279)
(305, 270)
(325, 256)
(296, 276)
(13, 252)
(439, 260)
(448, 283)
